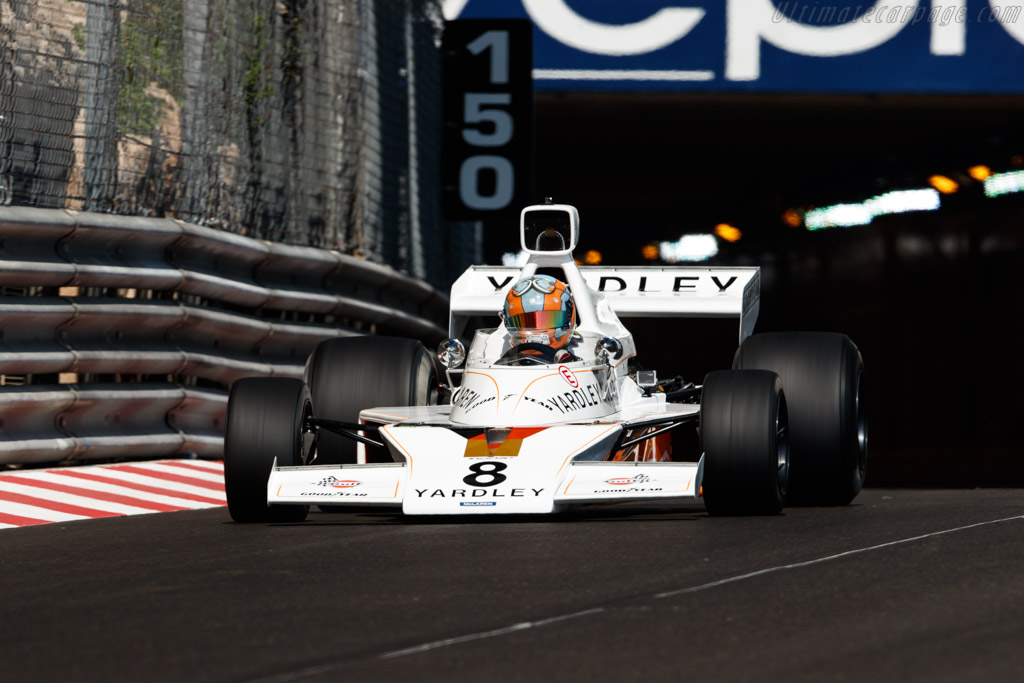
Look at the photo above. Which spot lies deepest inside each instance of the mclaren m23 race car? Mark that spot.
(514, 428)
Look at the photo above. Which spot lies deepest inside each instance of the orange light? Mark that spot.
(592, 257)
(650, 252)
(791, 218)
(979, 172)
(1017, 160)
(728, 232)
(943, 184)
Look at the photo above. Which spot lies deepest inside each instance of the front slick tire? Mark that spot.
(823, 377)
(349, 374)
(265, 421)
(743, 429)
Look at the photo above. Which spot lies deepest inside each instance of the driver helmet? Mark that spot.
(539, 310)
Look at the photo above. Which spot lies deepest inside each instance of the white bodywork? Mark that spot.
(535, 439)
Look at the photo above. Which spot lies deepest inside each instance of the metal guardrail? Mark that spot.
(170, 306)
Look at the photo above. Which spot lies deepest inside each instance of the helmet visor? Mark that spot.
(540, 320)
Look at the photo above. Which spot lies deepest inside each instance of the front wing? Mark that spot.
(439, 472)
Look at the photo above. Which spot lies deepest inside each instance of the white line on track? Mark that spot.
(488, 634)
(798, 565)
(515, 628)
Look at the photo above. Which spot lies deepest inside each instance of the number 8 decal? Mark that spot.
(490, 472)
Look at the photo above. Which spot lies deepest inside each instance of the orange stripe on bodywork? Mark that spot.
(566, 491)
(528, 388)
(400, 446)
(497, 391)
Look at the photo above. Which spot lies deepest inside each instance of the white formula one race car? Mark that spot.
(526, 430)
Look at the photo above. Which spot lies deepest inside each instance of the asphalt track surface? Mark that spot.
(904, 585)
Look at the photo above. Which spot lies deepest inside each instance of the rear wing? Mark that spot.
(631, 291)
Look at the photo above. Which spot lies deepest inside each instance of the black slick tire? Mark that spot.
(743, 429)
(823, 377)
(265, 421)
(349, 374)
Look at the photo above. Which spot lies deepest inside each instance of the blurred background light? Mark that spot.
(837, 216)
(979, 172)
(999, 184)
(791, 217)
(902, 201)
(689, 248)
(728, 232)
(514, 259)
(592, 257)
(650, 252)
(943, 184)
(848, 215)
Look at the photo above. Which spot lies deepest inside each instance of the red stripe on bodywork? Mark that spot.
(523, 432)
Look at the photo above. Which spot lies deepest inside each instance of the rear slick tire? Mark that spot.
(744, 438)
(265, 421)
(823, 377)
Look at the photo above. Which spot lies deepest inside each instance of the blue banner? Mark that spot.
(824, 46)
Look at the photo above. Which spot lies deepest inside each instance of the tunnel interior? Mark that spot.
(931, 298)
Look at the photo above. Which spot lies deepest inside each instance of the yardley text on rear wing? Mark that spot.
(632, 291)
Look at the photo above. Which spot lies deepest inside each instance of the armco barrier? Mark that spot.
(96, 298)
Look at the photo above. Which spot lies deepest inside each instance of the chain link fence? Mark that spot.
(310, 122)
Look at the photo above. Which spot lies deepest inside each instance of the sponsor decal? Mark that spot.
(336, 483)
(478, 493)
(478, 503)
(333, 494)
(568, 376)
(836, 46)
(628, 481)
(679, 283)
(469, 400)
(498, 286)
(531, 399)
(577, 399)
(480, 403)
(634, 489)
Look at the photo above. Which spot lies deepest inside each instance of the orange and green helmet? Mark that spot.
(540, 309)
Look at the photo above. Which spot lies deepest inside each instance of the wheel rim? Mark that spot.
(307, 437)
(782, 444)
(860, 405)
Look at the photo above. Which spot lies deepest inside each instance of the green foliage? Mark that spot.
(151, 51)
(78, 34)
(256, 71)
